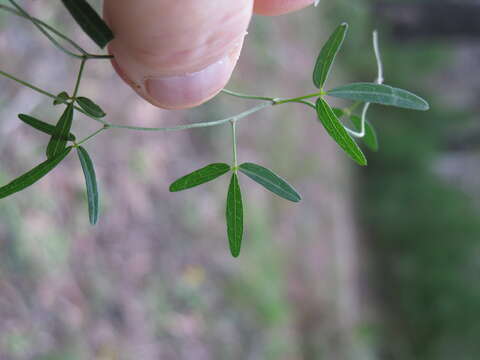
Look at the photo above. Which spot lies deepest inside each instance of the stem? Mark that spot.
(234, 145)
(298, 99)
(275, 101)
(45, 25)
(46, 93)
(40, 23)
(24, 83)
(43, 31)
(91, 136)
(194, 125)
(79, 77)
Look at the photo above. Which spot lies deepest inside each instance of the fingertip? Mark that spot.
(279, 7)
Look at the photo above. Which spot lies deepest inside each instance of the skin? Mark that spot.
(179, 54)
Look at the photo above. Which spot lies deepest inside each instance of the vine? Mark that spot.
(62, 140)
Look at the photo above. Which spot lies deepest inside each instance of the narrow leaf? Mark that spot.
(327, 55)
(41, 125)
(270, 181)
(336, 130)
(199, 177)
(370, 139)
(380, 94)
(89, 21)
(234, 216)
(339, 113)
(58, 141)
(91, 183)
(90, 107)
(33, 175)
(61, 98)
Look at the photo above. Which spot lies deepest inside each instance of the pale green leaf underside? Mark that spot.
(234, 215)
(199, 177)
(380, 94)
(91, 184)
(327, 55)
(335, 129)
(270, 181)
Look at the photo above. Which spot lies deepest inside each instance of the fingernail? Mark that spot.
(190, 89)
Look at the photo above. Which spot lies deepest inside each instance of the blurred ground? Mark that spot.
(377, 263)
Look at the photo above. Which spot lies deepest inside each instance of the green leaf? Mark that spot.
(234, 216)
(91, 183)
(327, 55)
(41, 125)
(370, 139)
(270, 181)
(336, 130)
(90, 107)
(199, 177)
(61, 98)
(380, 94)
(89, 21)
(339, 113)
(33, 175)
(58, 141)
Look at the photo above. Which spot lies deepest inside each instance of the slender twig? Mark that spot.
(46, 93)
(92, 135)
(39, 23)
(44, 25)
(79, 77)
(195, 125)
(234, 144)
(27, 84)
(43, 31)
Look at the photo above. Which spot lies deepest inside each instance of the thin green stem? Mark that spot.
(46, 93)
(27, 84)
(91, 136)
(245, 96)
(45, 26)
(194, 125)
(44, 32)
(79, 77)
(297, 99)
(275, 101)
(234, 145)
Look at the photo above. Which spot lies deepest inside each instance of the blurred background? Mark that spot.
(375, 263)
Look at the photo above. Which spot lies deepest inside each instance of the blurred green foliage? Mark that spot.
(422, 232)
